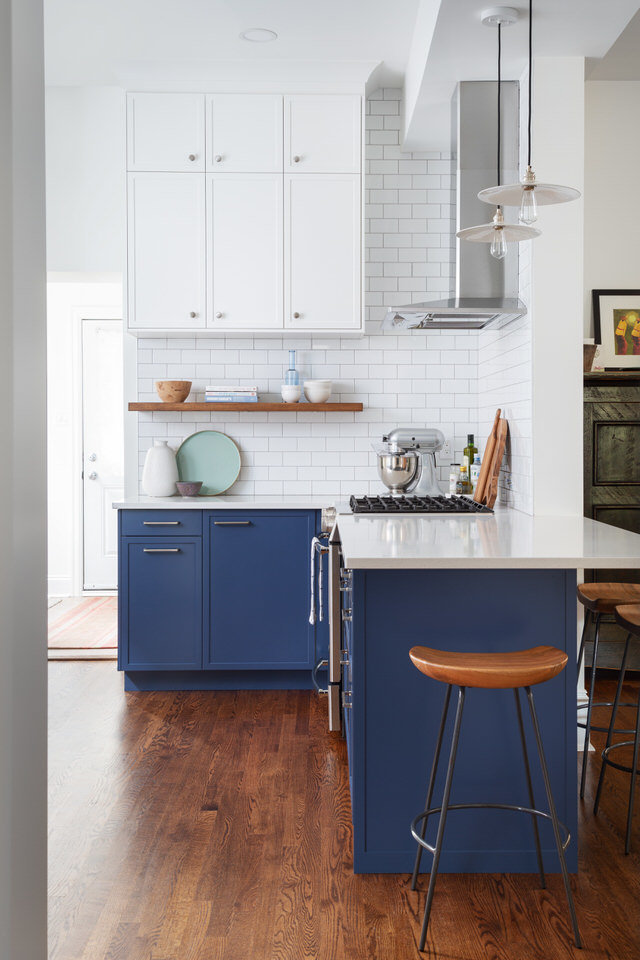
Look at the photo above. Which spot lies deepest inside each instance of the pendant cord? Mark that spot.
(530, 82)
(499, 96)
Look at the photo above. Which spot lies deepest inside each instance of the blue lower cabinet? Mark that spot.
(257, 576)
(160, 603)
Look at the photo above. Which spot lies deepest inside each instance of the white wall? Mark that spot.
(612, 147)
(85, 130)
(557, 289)
(68, 302)
(23, 691)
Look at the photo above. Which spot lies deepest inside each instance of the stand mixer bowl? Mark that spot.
(397, 470)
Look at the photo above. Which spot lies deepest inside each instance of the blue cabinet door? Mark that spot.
(257, 579)
(160, 603)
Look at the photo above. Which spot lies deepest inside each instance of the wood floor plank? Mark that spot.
(216, 826)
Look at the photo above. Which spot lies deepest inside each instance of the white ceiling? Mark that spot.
(462, 48)
(192, 42)
(622, 61)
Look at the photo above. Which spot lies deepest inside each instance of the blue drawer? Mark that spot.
(161, 523)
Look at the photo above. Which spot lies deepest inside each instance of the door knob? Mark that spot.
(297, 159)
(93, 475)
(219, 316)
(193, 314)
(192, 156)
(93, 457)
(218, 157)
(296, 316)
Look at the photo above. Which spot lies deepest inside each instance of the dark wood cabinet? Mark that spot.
(612, 474)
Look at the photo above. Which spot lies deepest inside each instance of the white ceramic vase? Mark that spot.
(160, 470)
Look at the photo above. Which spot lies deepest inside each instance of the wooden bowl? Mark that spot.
(173, 391)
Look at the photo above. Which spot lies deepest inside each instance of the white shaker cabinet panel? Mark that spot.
(322, 252)
(322, 133)
(166, 251)
(245, 251)
(165, 132)
(244, 133)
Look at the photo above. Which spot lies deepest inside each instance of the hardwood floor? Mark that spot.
(216, 826)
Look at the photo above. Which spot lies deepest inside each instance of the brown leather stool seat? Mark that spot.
(605, 597)
(491, 671)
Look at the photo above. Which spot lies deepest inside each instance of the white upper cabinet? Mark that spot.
(166, 251)
(322, 252)
(165, 132)
(244, 133)
(244, 240)
(322, 134)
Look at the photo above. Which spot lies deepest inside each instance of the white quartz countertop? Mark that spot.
(223, 503)
(506, 539)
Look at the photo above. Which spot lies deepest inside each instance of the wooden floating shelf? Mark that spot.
(248, 407)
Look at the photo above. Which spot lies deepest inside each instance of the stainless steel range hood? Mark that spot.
(486, 289)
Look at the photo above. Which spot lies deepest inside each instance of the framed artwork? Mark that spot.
(616, 321)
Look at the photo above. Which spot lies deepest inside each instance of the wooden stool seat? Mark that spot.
(605, 597)
(514, 668)
(628, 616)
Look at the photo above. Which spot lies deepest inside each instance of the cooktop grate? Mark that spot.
(415, 504)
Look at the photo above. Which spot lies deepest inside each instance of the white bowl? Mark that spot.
(317, 391)
(290, 392)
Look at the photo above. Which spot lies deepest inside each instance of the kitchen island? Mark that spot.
(484, 583)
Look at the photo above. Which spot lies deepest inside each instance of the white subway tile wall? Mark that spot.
(412, 378)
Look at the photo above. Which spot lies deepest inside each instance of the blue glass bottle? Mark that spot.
(292, 377)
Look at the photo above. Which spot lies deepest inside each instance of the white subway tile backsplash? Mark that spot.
(451, 381)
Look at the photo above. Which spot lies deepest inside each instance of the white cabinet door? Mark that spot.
(322, 252)
(165, 132)
(322, 134)
(166, 251)
(244, 237)
(244, 133)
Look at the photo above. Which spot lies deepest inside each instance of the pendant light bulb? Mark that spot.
(498, 248)
(528, 207)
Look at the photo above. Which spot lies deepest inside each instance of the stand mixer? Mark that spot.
(407, 461)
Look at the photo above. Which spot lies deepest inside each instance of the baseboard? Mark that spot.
(59, 654)
(60, 586)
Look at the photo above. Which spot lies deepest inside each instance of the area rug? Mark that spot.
(84, 623)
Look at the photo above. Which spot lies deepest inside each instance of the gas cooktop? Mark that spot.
(415, 504)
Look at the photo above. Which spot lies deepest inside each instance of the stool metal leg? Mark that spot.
(443, 817)
(432, 781)
(532, 804)
(632, 788)
(554, 817)
(612, 722)
(583, 639)
(587, 730)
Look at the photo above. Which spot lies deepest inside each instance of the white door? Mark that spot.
(244, 275)
(103, 449)
(166, 251)
(244, 133)
(165, 132)
(322, 252)
(322, 134)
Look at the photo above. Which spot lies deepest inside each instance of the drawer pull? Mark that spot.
(232, 523)
(160, 523)
(161, 550)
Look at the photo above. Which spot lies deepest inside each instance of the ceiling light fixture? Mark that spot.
(498, 233)
(529, 193)
(258, 35)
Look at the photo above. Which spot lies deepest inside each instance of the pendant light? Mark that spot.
(498, 233)
(529, 194)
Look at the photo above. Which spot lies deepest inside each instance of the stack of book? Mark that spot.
(227, 394)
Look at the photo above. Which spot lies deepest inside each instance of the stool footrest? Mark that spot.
(483, 806)
(592, 726)
(619, 766)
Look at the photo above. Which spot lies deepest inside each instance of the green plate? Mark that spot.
(212, 457)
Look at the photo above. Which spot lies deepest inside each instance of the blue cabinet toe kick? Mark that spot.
(218, 680)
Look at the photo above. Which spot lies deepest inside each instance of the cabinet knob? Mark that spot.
(192, 157)
(93, 475)
(93, 457)
(297, 159)
(219, 316)
(296, 316)
(193, 314)
(218, 158)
